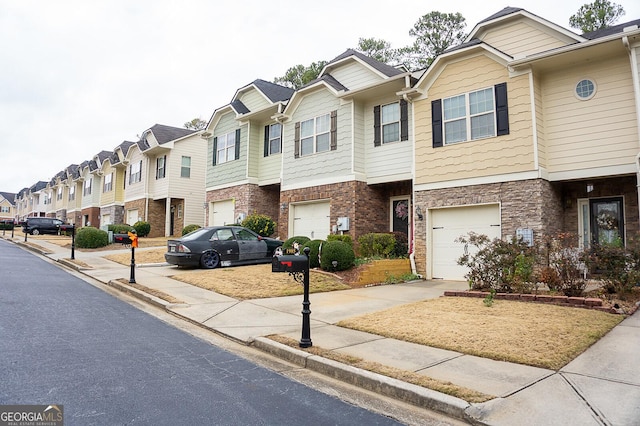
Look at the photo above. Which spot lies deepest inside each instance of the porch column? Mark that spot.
(167, 218)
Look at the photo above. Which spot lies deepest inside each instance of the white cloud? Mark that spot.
(78, 76)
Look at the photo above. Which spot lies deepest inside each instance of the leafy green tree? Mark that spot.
(195, 124)
(378, 49)
(299, 75)
(596, 16)
(435, 32)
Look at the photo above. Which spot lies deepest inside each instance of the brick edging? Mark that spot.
(578, 302)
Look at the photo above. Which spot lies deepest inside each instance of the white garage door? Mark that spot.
(311, 220)
(450, 223)
(221, 213)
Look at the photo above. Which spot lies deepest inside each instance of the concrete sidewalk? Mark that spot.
(600, 387)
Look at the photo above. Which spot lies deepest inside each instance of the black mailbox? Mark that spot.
(121, 238)
(290, 263)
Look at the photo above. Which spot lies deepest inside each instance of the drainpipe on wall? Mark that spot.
(635, 75)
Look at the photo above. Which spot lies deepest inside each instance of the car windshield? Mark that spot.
(198, 234)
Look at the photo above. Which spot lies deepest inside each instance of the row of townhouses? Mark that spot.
(524, 129)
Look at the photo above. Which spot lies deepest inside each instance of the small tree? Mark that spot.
(596, 16)
(260, 224)
(195, 124)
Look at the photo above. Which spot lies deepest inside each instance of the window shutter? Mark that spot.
(376, 126)
(237, 144)
(266, 140)
(404, 120)
(502, 109)
(436, 123)
(296, 149)
(334, 130)
(215, 149)
(164, 166)
(130, 174)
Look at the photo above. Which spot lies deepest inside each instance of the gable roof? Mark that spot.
(611, 30)
(274, 92)
(9, 196)
(381, 67)
(164, 134)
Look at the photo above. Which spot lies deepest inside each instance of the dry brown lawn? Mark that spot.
(257, 281)
(540, 335)
(142, 256)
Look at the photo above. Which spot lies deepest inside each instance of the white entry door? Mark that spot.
(450, 223)
(311, 220)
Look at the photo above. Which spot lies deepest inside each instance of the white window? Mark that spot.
(185, 169)
(226, 148)
(161, 167)
(315, 135)
(274, 139)
(135, 172)
(87, 187)
(72, 193)
(585, 89)
(469, 116)
(4, 209)
(59, 195)
(390, 121)
(108, 185)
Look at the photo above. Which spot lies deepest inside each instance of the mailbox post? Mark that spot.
(71, 228)
(298, 267)
(131, 239)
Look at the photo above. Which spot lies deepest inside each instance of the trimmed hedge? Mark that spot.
(260, 224)
(190, 228)
(338, 251)
(121, 228)
(90, 237)
(345, 238)
(377, 244)
(142, 228)
(288, 244)
(314, 246)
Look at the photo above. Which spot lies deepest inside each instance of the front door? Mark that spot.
(400, 215)
(606, 221)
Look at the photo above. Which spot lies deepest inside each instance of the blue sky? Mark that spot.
(78, 77)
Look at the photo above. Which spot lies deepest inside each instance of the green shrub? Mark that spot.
(260, 224)
(142, 228)
(338, 251)
(6, 225)
(568, 261)
(314, 246)
(619, 266)
(496, 264)
(119, 228)
(190, 228)
(377, 244)
(345, 238)
(401, 248)
(90, 237)
(301, 240)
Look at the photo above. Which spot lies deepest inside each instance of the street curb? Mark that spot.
(412, 394)
(155, 301)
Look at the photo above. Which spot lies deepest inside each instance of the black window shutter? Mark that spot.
(376, 126)
(164, 166)
(334, 130)
(237, 144)
(266, 141)
(215, 149)
(436, 122)
(404, 120)
(296, 149)
(502, 109)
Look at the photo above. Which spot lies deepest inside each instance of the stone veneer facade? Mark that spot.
(116, 212)
(366, 206)
(546, 207)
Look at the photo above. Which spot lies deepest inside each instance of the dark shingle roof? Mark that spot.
(387, 70)
(166, 134)
(239, 107)
(38, 186)
(611, 30)
(10, 196)
(273, 91)
(504, 12)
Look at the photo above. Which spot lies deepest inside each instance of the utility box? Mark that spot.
(342, 224)
(290, 263)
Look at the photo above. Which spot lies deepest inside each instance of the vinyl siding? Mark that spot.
(253, 100)
(256, 148)
(484, 157)
(599, 132)
(324, 165)
(231, 171)
(107, 198)
(540, 126)
(391, 160)
(354, 76)
(135, 191)
(361, 141)
(119, 174)
(158, 188)
(523, 37)
(190, 189)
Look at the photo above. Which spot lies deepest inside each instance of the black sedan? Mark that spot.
(220, 246)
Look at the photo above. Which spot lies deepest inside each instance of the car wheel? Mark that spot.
(35, 232)
(210, 260)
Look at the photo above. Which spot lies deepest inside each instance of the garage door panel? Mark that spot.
(451, 223)
(311, 220)
(221, 213)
